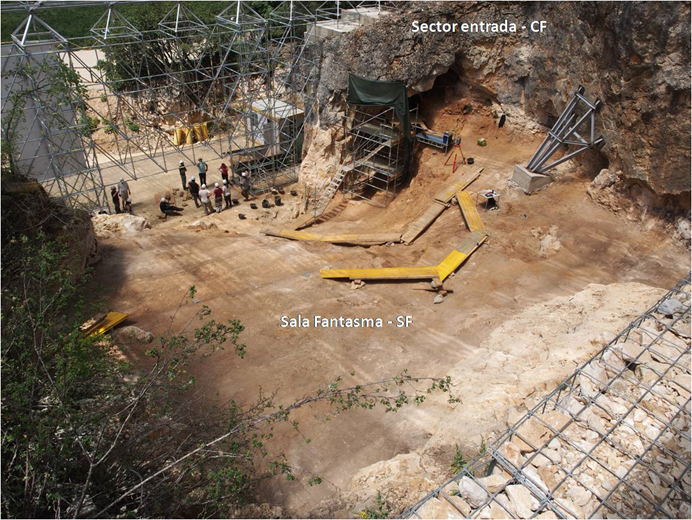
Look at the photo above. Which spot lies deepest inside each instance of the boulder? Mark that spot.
(520, 498)
(133, 333)
(470, 491)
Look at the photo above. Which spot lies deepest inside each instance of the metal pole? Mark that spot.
(108, 24)
(177, 18)
(567, 134)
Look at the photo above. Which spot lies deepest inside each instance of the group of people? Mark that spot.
(122, 196)
(221, 193)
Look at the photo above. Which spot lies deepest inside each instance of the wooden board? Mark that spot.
(106, 323)
(386, 273)
(424, 222)
(362, 239)
(450, 191)
(470, 213)
(459, 256)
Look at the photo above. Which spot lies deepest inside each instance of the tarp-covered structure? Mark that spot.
(368, 92)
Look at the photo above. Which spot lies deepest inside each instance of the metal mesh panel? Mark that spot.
(612, 441)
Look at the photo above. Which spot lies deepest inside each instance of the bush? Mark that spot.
(458, 461)
(109, 126)
(91, 124)
(132, 126)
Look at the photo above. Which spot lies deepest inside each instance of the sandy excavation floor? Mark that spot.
(502, 290)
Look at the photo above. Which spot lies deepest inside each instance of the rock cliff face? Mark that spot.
(635, 57)
(27, 210)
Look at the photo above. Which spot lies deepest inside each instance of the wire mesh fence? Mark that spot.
(612, 441)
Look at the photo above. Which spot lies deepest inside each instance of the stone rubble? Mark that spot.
(613, 443)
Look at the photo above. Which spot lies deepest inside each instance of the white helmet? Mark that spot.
(216, 184)
(122, 179)
(224, 181)
(163, 199)
(192, 179)
(204, 186)
(181, 162)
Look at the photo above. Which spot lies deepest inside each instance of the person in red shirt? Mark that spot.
(224, 172)
(218, 197)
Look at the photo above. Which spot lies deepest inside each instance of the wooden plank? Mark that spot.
(470, 213)
(423, 223)
(459, 256)
(386, 273)
(446, 195)
(107, 323)
(368, 239)
(299, 235)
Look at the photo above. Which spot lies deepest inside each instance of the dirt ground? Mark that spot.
(256, 279)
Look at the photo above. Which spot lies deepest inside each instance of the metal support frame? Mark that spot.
(376, 154)
(621, 423)
(182, 74)
(565, 132)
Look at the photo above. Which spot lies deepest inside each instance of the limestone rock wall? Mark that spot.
(634, 56)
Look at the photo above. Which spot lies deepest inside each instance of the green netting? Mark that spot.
(362, 91)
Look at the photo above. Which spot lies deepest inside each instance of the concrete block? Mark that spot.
(529, 181)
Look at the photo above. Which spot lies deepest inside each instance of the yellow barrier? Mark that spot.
(178, 136)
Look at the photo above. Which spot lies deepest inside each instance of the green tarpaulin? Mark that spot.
(362, 91)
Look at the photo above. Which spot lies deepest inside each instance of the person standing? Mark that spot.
(194, 190)
(204, 195)
(124, 190)
(224, 172)
(245, 185)
(116, 199)
(202, 168)
(218, 197)
(227, 195)
(183, 171)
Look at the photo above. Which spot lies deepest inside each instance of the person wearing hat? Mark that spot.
(245, 185)
(204, 195)
(227, 194)
(183, 171)
(167, 208)
(194, 190)
(124, 189)
(218, 197)
(116, 199)
(202, 168)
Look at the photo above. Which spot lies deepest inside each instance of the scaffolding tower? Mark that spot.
(612, 441)
(376, 154)
(130, 102)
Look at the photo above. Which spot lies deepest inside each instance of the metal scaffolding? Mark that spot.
(133, 103)
(612, 441)
(376, 156)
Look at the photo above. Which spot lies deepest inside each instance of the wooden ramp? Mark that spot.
(102, 323)
(424, 222)
(459, 256)
(440, 203)
(450, 191)
(385, 273)
(470, 213)
(358, 239)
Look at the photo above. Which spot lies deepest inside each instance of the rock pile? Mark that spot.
(107, 226)
(613, 441)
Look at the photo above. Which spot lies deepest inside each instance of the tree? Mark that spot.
(84, 433)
